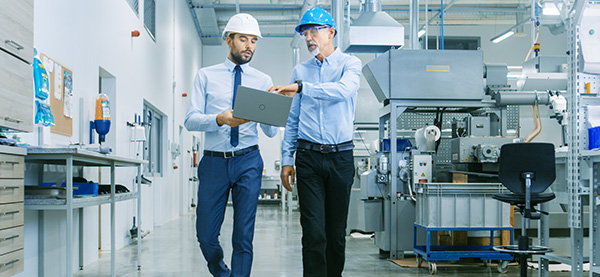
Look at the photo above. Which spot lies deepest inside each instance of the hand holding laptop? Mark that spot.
(227, 118)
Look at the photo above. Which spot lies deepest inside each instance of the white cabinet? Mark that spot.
(16, 28)
(12, 166)
(16, 72)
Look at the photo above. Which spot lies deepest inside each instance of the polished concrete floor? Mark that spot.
(172, 250)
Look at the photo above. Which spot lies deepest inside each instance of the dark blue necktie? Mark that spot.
(235, 131)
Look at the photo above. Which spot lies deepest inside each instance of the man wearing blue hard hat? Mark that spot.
(319, 131)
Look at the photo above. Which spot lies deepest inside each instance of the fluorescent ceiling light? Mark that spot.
(421, 33)
(550, 9)
(502, 37)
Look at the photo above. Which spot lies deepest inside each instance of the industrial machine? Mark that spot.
(419, 87)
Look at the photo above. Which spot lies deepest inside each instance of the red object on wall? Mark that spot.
(184, 94)
(135, 33)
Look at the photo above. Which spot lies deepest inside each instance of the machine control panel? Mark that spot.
(422, 166)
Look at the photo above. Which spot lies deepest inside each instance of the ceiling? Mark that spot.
(278, 17)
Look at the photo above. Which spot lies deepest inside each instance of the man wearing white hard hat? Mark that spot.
(231, 161)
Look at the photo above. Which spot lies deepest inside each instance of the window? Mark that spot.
(454, 43)
(134, 4)
(150, 17)
(154, 146)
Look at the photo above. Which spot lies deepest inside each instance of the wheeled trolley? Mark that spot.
(434, 253)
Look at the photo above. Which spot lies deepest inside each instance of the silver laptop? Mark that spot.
(262, 106)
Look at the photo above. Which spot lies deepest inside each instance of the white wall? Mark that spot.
(84, 36)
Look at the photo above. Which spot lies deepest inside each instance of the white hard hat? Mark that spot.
(242, 23)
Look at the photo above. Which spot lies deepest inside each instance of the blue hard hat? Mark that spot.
(316, 16)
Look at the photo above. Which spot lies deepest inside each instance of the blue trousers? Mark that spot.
(218, 176)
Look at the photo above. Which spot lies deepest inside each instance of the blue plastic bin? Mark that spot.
(79, 188)
(594, 138)
(401, 145)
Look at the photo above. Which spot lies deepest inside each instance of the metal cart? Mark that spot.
(434, 253)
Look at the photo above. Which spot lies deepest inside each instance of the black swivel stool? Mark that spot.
(527, 170)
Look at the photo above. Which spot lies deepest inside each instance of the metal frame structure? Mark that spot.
(389, 114)
(77, 157)
(580, 162)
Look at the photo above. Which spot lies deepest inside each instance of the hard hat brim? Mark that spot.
(227, 33)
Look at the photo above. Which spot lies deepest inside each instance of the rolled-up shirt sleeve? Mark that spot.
(340, 90)
(288, 145)
(196, 118)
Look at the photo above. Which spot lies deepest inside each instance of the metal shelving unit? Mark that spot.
(583, 166)
(79, 157)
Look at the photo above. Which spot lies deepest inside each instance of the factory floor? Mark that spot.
(172, 250)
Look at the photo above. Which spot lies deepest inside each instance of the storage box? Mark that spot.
(594, 138)
(79, 188)
(401, 145)
(449, 205)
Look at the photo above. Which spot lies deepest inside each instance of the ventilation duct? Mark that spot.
(206, 22)
(373, 31)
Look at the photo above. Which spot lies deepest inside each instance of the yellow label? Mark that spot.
(437, 68)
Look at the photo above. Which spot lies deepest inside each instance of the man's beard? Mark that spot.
(239, 59)
(315, 51)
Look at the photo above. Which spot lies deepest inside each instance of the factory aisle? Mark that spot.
(172, 250)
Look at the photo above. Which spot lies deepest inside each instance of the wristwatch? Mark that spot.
(299, 82)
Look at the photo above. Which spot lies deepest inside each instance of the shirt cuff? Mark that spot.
(213, 122)
(287, 161)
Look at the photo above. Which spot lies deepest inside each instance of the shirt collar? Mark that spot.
(231, 65)
(329, 59)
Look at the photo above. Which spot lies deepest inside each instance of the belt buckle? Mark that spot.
(324, 149)
(228, 155)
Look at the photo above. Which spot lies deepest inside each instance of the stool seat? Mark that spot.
(532, 249)
(518, 199)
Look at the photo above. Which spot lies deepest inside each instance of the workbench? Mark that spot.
(80, 157)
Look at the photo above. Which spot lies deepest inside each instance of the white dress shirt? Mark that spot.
(212, 94)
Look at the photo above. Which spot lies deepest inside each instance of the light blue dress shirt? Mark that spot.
(212, 94)
(324, 111)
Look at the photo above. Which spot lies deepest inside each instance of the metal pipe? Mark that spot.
(297, 40)
(442, 24)
(385, 8)
(372, 6)
(348, 14)
(414, 24)
(426, 25)
(295, 56)
(522, 98)
(337, 10)
(533, 4)
(442, 9)
(195, 18)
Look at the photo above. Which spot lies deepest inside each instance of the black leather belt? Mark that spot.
(324, 148)
(231, 154)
